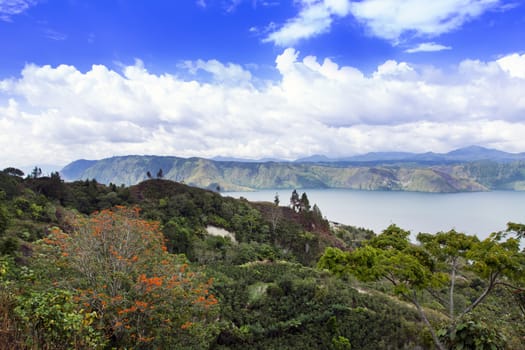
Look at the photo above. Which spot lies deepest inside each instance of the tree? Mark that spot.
(4, 218)
(518, 229)
(304, 203)
(143, 295)
(317, 215)
(160, 174)
(295, 201)
(36, 173)
(276, 200)
(450, 250)
(275, 214)
(414, 270)
(148, 174)
(52, 320)
(13, 172)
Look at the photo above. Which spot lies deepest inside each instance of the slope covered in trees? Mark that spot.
(423, 176)
(85, 265)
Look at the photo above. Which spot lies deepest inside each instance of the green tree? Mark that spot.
(518, 229)
(275, 214)
(4, 217)
(449, 249)
(413, 270)
(13, 172)
(52, 320)
(304, 203)
(36, 173)
(295, 200)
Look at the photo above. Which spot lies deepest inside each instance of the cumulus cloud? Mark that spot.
(10, 8)
(514, 65)
(428, 47)
(314, 18)
(59, 114)
(391, 19)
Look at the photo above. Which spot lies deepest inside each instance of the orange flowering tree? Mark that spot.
(143, 296)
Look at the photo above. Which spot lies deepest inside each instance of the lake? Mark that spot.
(478, 213)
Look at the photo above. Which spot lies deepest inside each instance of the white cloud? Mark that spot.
(10, 8)
(59, 114)
(394, 69)
(388, 19)
(314, 18)
(514, 65)
(230, 73)
(428, 47)
(391, 19)
(54, 35)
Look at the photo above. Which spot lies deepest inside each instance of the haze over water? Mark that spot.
(478, 213)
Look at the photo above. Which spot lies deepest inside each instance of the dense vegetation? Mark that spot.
(90, 266)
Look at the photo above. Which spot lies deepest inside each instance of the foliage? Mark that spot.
(472, 335)
(52, 320)
(143, 295)
(4, 219)
(136, 278)
(352, 236)
(13, 172)
(10, 184)
(418, 270)
(279, 305)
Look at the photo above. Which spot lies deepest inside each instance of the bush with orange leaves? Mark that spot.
(144, 296)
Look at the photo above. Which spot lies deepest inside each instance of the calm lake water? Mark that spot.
(478, 213)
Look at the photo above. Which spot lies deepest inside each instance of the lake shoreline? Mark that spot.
(478, 213)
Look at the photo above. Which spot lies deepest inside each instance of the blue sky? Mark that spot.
(258, 78)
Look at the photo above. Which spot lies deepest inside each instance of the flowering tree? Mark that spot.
(143, 296)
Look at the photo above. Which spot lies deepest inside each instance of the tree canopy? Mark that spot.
(427, 268)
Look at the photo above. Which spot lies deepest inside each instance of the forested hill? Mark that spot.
(163, 265)
(402, 175)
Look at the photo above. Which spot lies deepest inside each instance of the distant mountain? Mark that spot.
(489, 171)
(380, 156)
(74, 170)
(317, 158)
(246, 160)
(466, 154)
(481, 153)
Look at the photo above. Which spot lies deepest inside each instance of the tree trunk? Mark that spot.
(492, 283)
(427, 322)
(452, 284)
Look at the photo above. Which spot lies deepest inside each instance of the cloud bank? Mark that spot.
(59, 114)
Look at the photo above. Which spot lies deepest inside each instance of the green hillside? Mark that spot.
(163, 265)
(239, 176)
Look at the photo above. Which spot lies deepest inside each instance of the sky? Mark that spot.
(258, 78)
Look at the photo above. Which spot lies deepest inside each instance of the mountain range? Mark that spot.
(471, 153)
(463, 170)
